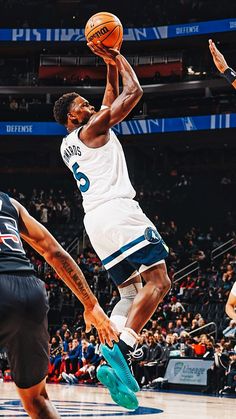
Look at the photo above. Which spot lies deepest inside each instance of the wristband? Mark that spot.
(230, 75)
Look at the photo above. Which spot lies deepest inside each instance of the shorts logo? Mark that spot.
(152, 235)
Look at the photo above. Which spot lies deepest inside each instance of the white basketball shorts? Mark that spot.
(125, 240)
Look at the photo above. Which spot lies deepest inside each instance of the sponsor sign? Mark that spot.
(188, 371)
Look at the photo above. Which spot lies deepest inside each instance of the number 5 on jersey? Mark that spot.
(81, 177)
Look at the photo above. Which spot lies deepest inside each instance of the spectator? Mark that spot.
(73, 356)
(44, 215)
(216, 373)
(184, 345)
(65, 213)
(179, 327)
(13, 105)
(230, 331)
(176, 306)
(209, 353)
(153, 355)
(230, 387)
(113, 301)
(199, 346)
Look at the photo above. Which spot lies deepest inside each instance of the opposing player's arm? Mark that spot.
(221, 64)
(230, 306)
(100, 123)
(46, 245)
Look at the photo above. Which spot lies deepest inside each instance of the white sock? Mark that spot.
(119, 321)
(129, 336)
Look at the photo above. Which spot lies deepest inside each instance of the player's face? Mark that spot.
(81, 110)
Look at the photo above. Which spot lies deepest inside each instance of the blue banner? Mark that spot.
(201, 28)
(132, 127)
(130, 34)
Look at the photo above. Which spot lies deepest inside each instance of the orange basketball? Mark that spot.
(104, 27)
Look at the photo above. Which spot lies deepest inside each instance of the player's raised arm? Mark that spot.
(221, 64)
(112, 81)
(112, 85)
(44, 243)
(123, 104)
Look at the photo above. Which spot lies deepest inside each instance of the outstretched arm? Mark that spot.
(112, 85)
(112, 82)
(46, 245)
(221, 64)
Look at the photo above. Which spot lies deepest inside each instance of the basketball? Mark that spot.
(104, 27)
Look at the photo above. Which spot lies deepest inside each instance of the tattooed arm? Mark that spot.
(44, 243)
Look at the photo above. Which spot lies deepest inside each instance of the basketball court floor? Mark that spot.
(94, 402)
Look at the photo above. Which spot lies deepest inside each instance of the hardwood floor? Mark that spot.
(95, 402)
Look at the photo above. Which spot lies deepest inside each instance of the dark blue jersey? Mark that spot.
(12, 254)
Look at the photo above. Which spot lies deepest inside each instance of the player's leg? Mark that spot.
(148, 298)
(36, 402)
(130, 242)
(119, 391)
(28, 350)
(128, 291)
(143, 306)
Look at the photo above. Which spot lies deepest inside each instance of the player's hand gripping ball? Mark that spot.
(106, 28)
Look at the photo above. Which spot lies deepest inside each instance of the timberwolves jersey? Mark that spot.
(12, 254)
(101, 173)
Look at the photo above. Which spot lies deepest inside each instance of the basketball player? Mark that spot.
(24, 306)
(126, 241)
(231, 303)
(230, 76)
(222, 65)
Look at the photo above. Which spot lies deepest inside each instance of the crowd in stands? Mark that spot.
(196, 299)
(52, 206)
(23, 108)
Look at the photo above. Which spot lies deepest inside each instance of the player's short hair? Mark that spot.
(62, 107)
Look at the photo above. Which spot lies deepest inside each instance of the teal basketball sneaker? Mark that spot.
(119, 392)
(119, 358)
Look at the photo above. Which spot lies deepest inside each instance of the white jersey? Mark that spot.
(101, 173)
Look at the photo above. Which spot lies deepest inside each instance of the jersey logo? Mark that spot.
(9, 235)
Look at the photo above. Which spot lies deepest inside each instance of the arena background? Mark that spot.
(181, 153)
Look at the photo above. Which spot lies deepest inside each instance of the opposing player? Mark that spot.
(24, 306)
(126, 241)
(230, 76)
(221, 64)
(231, 303)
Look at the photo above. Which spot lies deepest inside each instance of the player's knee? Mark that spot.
(166, 283)
(163, 284)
